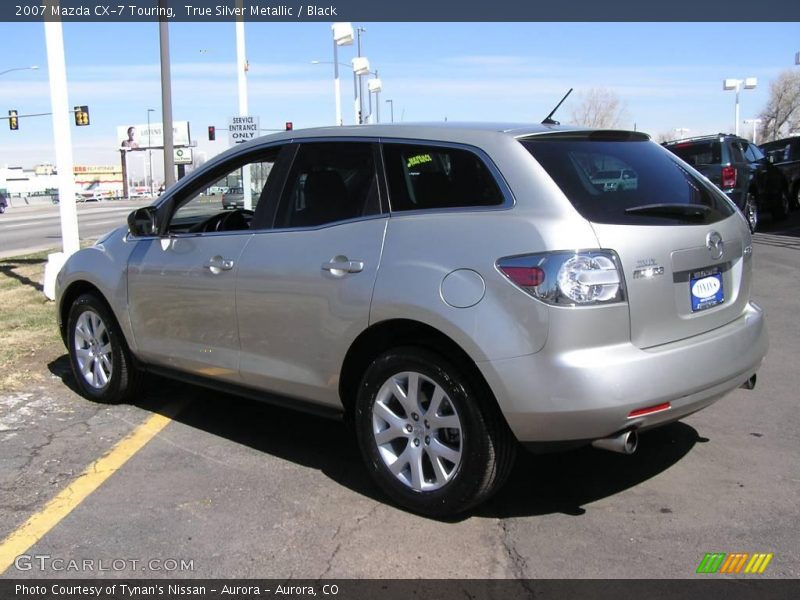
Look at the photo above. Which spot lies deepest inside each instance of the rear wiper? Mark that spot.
(683, 210)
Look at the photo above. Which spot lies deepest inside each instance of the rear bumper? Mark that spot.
(588, 394)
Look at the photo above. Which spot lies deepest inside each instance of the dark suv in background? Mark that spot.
(785, 155)
(739, 169)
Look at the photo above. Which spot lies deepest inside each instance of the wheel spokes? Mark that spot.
(417, 431)
(92, 349)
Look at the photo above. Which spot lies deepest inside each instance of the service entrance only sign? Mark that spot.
(242, 129)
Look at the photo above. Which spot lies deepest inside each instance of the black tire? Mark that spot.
(2, 209)
(115, 365)
(781, 210)
(487, 447)
(750, 212)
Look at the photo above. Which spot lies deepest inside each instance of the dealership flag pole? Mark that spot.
(57, 73)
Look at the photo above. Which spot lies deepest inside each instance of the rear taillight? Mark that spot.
(728, 177)
(567, 278)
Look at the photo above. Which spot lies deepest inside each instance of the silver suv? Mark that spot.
(453, 291)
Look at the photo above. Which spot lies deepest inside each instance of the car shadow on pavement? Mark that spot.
(538, 485)
(566, 482)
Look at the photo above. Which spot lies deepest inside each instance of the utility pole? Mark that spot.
(166, 99)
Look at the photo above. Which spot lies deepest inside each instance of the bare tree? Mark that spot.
(599, 108)
(781, 116)
(664, 136)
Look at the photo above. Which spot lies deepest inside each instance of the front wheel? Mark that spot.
(428, 439)
(99, 356)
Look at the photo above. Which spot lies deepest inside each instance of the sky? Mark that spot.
(667, 75)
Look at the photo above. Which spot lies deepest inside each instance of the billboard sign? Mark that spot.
(142, 136)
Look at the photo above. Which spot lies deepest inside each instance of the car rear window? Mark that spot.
(650, 186)
(698, 153)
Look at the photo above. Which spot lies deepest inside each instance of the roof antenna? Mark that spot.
(548, 120)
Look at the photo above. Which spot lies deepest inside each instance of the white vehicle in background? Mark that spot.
(615, 180)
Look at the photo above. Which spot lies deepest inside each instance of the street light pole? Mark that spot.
(342, 36)
(242, 66)
(390, 102)
(736, 84)
(360, 30)
(374, 86)
(754, 123)
(360, 68)
(31, 68)
(355, 84)
(149, 152)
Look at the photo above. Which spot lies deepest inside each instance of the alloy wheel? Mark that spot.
(93, 350)
(418, 431)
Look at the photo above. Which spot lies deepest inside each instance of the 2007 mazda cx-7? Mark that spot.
(452, 290)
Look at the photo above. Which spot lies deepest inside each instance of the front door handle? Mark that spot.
(341, 265)
(217, 264)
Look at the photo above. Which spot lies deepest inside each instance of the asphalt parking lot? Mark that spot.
(233, 488)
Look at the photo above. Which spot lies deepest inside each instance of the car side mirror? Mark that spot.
(142, 222)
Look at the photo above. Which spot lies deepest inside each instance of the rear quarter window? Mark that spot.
(645, 174)
(424, 177)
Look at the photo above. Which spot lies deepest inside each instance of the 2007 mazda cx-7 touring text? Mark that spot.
(452, 290)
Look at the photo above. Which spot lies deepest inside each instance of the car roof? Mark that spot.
(704, 138)
(450, 131)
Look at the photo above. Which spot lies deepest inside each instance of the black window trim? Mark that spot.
(505, 190)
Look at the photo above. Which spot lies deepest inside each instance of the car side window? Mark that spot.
(749, 154)
(329, 182)
(219, 202)
(757, 153)
(737, 155)
(428, 177)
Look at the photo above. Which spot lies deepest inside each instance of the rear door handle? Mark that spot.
(217, 264)
(341, 265)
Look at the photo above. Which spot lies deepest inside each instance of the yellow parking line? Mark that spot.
(37, 526)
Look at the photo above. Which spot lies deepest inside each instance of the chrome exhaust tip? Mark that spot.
(750, 383)
(624, 443)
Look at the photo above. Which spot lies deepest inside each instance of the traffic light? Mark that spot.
(289, 126)
(81, 115)
(13, 120)
(212, 133)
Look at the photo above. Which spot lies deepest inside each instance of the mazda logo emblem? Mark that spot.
(715, 244)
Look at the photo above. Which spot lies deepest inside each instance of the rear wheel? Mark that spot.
(428, 439)
(99, 356)
(750, 211)
(781, 210)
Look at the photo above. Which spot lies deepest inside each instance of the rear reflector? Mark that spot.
(524, 276)
(640, 412)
